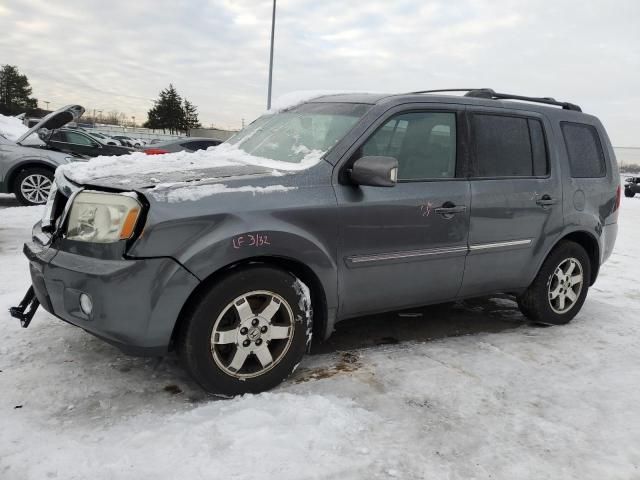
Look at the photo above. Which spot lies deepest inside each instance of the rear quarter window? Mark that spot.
(586, 158)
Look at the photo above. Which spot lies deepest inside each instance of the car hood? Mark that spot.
(175, 179)
(55, 120)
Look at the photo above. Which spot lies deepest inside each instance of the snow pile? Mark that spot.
(262, 436)
(172, 194)
(12, 127)
(140, 163)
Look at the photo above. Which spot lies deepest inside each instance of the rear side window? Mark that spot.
(200, 144)
(509, 146)
(586, 158)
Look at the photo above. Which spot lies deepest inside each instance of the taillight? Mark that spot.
(618, 196)
(155, 151)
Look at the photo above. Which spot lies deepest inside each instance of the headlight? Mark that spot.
(102, 217)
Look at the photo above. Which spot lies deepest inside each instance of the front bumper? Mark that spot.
(136, 302)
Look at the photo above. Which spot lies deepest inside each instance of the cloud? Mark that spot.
(118, 56)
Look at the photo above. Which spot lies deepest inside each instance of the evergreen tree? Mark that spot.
(171, 113)
(190, 116)
(15, 92)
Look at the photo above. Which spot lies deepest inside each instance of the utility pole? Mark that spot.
(273, 29)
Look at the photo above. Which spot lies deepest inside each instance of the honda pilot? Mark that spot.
(341, 206)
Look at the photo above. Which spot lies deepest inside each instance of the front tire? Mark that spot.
(629, 193)
(248, 332)
(560, 288)
(32, 186)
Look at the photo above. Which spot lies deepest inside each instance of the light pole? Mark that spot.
(273, 29)
(47, 104)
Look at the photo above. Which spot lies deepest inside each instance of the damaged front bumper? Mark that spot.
(135, 302)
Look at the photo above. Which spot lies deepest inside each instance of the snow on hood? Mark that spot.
(12, 127)
(173, 166)
(183, 192)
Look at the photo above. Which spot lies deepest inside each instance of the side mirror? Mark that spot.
(375, 171)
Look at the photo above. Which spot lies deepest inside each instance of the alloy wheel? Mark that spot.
(565, 285)
(35, 188)
(252, 334)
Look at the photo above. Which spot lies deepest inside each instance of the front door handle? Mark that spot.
(449, 209)
(545, 201)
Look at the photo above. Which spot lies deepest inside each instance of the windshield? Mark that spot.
(293, 135)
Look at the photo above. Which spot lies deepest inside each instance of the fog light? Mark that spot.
(86, 305)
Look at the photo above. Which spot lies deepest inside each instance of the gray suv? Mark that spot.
(342, 206)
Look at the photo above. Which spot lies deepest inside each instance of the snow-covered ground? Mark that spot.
(527, 402)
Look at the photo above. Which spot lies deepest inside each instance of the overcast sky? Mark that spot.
(118, 55)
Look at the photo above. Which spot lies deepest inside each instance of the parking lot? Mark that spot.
(464, 390)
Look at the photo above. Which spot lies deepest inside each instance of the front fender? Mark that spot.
(298, 225)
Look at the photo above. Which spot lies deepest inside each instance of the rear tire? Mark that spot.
(32, 185)
(560, 288)
(629, 193)
(248, 332)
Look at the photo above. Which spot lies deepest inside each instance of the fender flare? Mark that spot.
(595, 266)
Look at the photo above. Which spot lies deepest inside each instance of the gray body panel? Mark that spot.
(371, 249)
(14, 157)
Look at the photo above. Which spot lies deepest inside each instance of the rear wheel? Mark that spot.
(32, 186)
(560, 288)
(248, 332)
(629, 193)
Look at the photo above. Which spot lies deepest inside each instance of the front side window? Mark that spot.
(79, 139)
(293, 135)
(424, 143)
(586, 158)
(509, 146)
(58, 136)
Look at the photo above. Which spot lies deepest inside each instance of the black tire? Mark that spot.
(194, 341)
(629, 193)
(24, 176)
(535, 302)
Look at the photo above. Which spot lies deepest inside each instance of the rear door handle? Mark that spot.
(546, 201)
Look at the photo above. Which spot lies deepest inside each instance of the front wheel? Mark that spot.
(32, 186)
(629, 193)
(248, 332)
(560, 288)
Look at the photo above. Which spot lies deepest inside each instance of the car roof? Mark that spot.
(391, 100)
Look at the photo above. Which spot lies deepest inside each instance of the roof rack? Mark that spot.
(493, 95)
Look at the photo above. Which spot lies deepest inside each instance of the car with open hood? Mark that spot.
(338, 207)
(27, 169)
